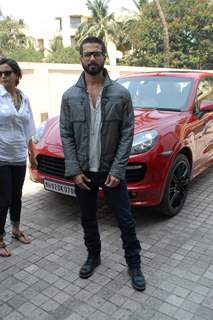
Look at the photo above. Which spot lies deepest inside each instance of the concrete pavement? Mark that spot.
(40, 280)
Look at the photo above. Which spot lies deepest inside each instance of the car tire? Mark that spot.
(176, 187)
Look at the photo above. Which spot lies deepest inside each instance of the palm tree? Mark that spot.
(140, 4)
(165, 33)
(100, 25)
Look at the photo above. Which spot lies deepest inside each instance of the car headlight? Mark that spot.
(39, 132)
(144, 141)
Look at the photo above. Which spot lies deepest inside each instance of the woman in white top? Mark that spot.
(16, 130)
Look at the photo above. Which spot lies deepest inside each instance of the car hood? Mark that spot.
(145, 119)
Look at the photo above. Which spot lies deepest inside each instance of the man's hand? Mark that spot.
(112, 182)
(80, 180)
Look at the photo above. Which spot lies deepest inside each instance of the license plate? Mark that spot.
(60, 187)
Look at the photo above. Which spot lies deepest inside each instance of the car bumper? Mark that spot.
(146, 173)
(140, 194)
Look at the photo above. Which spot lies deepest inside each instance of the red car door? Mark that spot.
(204, 137)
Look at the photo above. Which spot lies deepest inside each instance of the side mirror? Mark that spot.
(206, 105)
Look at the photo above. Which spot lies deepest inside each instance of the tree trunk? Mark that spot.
(165, 34)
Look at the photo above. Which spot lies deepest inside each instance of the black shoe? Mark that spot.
(89, 266)
(138, 280)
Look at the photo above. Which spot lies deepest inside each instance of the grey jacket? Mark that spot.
(116, 132)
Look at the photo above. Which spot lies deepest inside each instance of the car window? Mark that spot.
(204, 92)
(159, 92)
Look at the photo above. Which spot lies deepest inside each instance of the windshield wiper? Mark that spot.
(160, 109)
(168, 109)
(142, 107)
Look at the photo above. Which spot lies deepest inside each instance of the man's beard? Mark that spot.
(93, 68)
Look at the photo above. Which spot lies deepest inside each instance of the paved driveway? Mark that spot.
(40, 281)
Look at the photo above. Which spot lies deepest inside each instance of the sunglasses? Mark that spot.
(95, 54)
(6, 73)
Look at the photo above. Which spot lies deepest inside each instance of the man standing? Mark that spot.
(97, 127)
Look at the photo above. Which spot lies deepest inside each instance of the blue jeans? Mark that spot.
(118, 200)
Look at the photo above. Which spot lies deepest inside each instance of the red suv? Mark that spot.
(173, 140)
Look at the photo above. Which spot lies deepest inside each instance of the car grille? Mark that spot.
(135, 172)
(51, 165)
(55, 167)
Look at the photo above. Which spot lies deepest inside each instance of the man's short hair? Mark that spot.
(93, 40)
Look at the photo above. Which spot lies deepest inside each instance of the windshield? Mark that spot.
(158, 92)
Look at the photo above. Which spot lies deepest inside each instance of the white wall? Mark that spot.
(45, 83)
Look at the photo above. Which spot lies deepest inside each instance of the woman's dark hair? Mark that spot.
(14, 66)
(93, 40)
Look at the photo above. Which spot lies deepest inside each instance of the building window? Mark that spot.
(44, 116)
(58, 22)
(40, 44)
(75, 22)
(72, 41)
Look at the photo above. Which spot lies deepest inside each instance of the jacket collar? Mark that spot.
(81, 81)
